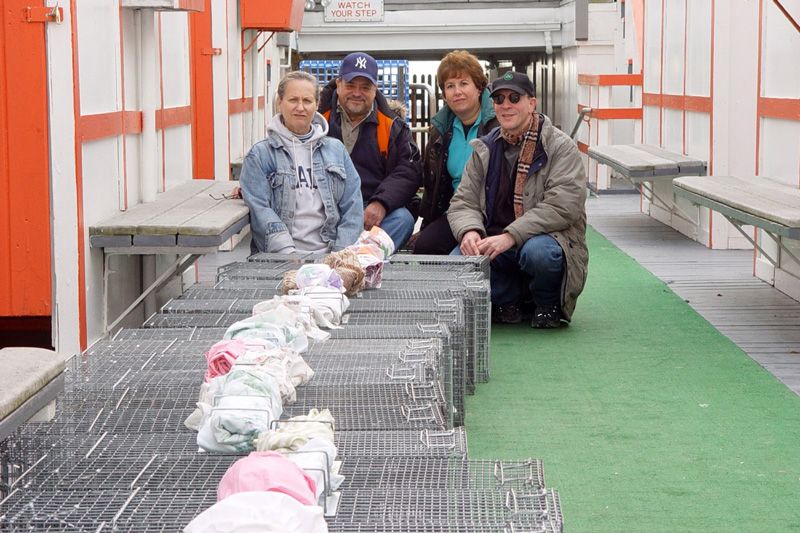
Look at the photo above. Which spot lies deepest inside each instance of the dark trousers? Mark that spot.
(435, 238)
(539, 262)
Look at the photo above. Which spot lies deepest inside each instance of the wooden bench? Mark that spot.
(189, 220)
(644, 165)
(765, 203)
(30, 380)
(642, 162)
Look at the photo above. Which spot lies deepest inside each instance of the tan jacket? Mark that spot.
(553, 203)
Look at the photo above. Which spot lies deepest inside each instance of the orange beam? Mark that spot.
(609, 79)
(239, 105)
(191, 5)
(783, 108)
(102, 125)
(612, 113)
(620, 113)
(173, 116)
(701, 104)
(583, 147)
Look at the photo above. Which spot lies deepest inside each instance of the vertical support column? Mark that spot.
(201, 53)
(254, 91)
(603, 134)
(147, 61)
(149, 101)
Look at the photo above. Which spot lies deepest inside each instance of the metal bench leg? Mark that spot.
(781, 247)
(672, 208)
(177, 268)
(5, 472)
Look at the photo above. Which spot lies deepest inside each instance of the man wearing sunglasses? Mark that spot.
(521, 203)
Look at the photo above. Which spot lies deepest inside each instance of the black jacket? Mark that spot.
(436, 181)
(392, 180)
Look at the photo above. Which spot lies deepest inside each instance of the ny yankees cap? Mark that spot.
(359, 64)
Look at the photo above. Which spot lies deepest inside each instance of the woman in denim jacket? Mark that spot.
(302, 189)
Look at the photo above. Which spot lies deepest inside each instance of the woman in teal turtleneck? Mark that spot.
(468, 113)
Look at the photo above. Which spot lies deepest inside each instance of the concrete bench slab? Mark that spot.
(641, 162)
(752, 200)
(195, 209)
(30, 378)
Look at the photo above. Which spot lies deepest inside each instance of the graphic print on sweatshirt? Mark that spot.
(309, 211)
(305, 178)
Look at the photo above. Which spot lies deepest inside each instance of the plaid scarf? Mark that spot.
(528, 139)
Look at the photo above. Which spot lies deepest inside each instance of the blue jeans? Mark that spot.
(399, 224)
(539, 263)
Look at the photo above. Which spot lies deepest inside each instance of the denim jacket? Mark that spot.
(268, 180)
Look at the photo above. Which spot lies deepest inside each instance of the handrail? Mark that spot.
(787, 14)
(431, 95)
(583, 112)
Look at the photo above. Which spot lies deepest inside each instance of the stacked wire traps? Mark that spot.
(117, 456)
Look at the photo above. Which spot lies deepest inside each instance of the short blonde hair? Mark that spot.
(298, 75)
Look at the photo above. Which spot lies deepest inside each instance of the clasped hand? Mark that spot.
(491, 247)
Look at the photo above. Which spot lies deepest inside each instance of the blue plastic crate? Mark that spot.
(388, 76)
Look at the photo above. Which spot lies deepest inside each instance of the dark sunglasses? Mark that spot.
(500, 98)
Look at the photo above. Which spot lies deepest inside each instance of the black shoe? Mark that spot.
(506, 314)
(548, 316)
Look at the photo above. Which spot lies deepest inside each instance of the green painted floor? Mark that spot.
(647, 419)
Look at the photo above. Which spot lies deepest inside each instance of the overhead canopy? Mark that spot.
(419, 32)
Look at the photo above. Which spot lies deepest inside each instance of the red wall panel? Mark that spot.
(25, 256)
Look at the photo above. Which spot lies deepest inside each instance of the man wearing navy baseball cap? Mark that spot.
(521, 203)
(379, 143)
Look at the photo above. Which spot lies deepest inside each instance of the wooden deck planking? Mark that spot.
(718, 284)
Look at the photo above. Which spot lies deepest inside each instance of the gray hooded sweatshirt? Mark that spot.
(309, 212)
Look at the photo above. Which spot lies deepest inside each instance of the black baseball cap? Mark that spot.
(514, 81)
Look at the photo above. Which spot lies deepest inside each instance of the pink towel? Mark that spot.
(268, 472)
(222, 355)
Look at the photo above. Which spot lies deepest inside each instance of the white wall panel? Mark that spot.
(672, 131)
(219, 64)
(780, 150)
(651, 119)
(698, 129)
(674, 39)
(652, 47)
(780, 52)
(178, 160)
(698, 44)
(130, 82)
(100, 179)
(133, 147)
(735, 86)
(129, 57)
(175, 58)
(99, 56)
(234, 51)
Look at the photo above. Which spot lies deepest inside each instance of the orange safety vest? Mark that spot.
(383, 131)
